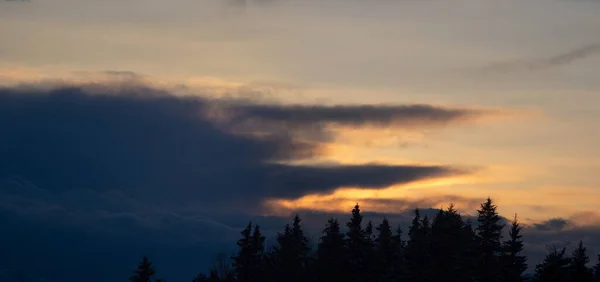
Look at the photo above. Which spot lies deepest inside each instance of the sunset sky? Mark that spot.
(272, 107)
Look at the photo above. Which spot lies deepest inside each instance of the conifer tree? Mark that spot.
(144, 272)
(513, 263)
(399, 266)
(447, 243)
(369, 254)
(417, 249)
(248, 263)
(356, 245)
(578, 267)
(554, 268)
(489, 234)
(290, 256)
(386, 254)
(331, 262)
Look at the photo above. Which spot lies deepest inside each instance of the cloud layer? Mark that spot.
(157, 147)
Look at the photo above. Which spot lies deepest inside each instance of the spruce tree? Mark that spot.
(369, 254)
(447, 243)
(356, 245)
(331, 264)
(144, 272)
(513, 263)
(578, 268)
(386, 253)
(417, 255)
(554, 268)
(290, 256)
(399, 265)
(248, 263)
(489, 234)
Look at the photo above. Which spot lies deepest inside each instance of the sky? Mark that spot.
(179, 121)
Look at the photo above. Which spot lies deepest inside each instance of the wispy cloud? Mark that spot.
(538, 64)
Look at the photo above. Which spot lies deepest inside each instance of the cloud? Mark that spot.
(323, 123)
(558, 60)
(353, 115)
(160, 148)
(554, 224)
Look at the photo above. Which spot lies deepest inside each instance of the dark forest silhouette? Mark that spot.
(444, 248)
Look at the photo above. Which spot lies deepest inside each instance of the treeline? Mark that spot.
(444, 248)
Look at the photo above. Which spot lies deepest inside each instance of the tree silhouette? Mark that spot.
(289, 259)
(578, 268)
(357, 245)
(489, 234)
(597, 270)
(388, 248)
(447, 243)
(554, 268)
(513, 263)
(144, 272)
(447, 248)
(332, 262)
(417, 253)
(248, 263)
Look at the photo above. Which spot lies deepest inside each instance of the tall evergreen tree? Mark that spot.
(144, 272)
(331, 264)
(356, 245)
(578, 268)
(399, 266)
(513, 264)
(447, 243)
(369, 254)
(554, 268)
(386, 253)
(417, 253)
(290, 256)
(489, 234)
(248, 263)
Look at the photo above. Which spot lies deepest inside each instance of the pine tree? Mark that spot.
(417, 253)
(144, 272)
(513, 263)
(554, 268)
(578, 268)
(489, 234)
(387, 252)
(447, 243)
(369, 254)
(357, 245)
(290, 256)
(331, 262)
(248, 263)
(399, 265)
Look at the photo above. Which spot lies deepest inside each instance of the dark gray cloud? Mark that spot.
(162, 148)
(353, 115)
(553, 224)
(558, 60)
